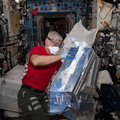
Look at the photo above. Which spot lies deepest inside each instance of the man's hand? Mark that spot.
(64, 54)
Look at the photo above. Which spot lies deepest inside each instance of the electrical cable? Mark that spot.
(101, 20)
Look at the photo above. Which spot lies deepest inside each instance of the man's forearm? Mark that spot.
(41, 60)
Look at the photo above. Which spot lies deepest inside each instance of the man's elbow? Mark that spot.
(34, 62)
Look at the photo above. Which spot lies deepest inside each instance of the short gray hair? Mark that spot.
(54, 35)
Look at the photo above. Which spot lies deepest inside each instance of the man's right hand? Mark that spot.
(64, 54)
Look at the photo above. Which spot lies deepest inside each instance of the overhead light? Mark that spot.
(17, 0)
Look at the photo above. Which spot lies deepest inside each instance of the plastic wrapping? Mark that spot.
(81, 33)
(9, 88)
(72, 87)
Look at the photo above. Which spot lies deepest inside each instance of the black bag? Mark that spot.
(110, 95)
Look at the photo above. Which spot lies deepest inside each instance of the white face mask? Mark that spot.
(53, 50)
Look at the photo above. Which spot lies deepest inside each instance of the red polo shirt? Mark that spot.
(40, 76)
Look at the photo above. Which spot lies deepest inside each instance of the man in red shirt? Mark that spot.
(42, 64)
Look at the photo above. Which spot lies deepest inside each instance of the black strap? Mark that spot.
(32, 89)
